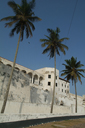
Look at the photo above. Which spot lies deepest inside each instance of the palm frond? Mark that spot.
(64, 46)
(14, 6)
(81, 70)
(27, 32)
(44, 44)
(22, 32)
(8, 18)
(79, 65)
(49, 30)
(34, 18)
(45, 51)
(52, 42)
(29, 29)
(24, 18)
(66, 71)
(79, 78)
(10, 23)
(68, 62)
(32, 4)
(61, 49)
(81, 74)
(51, 53)
(63, 74)
(16, 28)
(48, 37)
(31, 24)
(44, 40)
(72, 67)
(60, 40)
(57, 30)
(57, 51)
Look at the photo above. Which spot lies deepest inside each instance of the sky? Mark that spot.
(68, 15)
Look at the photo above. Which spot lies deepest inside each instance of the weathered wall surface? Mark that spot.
(40, 96)
(19, 88)
(26, 108)
(25, 97)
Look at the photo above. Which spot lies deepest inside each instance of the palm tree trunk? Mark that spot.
(54, 82)
(75, 98)
(9, 82)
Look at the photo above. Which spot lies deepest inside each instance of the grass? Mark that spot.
(62, 124)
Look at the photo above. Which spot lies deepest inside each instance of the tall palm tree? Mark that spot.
(73, 72)
(54, 46)
(23, 21)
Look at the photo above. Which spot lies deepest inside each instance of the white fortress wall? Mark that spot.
(31, 108)
(31, 91)
(33, 74)
(27, 108)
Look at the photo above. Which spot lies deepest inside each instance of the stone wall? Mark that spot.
(26, 108)
(25, 97)
(31, 108)
(19, 88)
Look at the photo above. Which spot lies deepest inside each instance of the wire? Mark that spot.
(72, 17)
(69, 27)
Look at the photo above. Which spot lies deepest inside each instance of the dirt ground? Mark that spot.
(76, 123)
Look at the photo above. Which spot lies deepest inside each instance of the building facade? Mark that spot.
(33, 89)
(62, 86)
(43, 77)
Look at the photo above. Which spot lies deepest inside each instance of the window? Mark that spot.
(56, 77)
(65, 91)
(65, 86)
(56, 84)
(49, 83)
(62, 84)
(49, 76)
(62, 90)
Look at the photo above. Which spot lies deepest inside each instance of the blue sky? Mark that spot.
(54, 13)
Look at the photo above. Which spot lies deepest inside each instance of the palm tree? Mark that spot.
(23, 20)
(73, 72)
(54, 46)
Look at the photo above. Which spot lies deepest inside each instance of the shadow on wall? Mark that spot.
(40, 96)
(20, 110)
(34, 96)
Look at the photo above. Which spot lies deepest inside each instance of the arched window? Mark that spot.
(9, 65)
(24, 71)
(1, 62)
(40, 80)
(30, 76)
(35, 79)
(17, 69)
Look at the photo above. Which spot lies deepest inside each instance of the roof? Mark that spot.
(64, 80)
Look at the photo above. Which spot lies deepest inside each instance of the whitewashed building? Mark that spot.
(31, 90)
(42, 77)
(62, 86)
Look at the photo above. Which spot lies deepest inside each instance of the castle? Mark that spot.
(34, 87)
